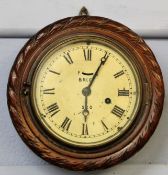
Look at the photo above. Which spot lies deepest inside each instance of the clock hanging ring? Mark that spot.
(70, 72)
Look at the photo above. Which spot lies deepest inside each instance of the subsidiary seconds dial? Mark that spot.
(86, 92)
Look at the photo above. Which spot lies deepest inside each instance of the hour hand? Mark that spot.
(85, 113)
(86, 92)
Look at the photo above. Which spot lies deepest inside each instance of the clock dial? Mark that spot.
(86, 92)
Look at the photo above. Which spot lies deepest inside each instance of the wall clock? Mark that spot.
(85, 93)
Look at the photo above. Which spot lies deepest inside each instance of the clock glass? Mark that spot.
(86, 91)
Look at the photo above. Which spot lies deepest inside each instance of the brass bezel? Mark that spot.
(70, 40)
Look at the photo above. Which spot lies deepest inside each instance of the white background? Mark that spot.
(19, 18)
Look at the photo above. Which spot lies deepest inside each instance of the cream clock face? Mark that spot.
(86, 92)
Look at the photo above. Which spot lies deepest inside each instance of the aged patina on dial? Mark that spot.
(86, 92)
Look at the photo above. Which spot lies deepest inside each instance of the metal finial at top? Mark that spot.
(83, 11)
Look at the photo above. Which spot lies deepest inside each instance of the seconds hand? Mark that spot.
(87, 90)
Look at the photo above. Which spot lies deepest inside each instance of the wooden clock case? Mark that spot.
(55, 152)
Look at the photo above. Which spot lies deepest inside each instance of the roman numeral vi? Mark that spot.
(85, 129)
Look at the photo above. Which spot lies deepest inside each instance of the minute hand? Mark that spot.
(103, 60)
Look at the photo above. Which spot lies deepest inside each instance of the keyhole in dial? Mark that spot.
(107, 100)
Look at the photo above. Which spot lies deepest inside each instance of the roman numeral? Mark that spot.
(54, 72)
(87, 54)
(68, 58)
(118, 74)
(53, 109)
(123, 92)
(85, 129)
(118, 111)
(66, 124)
(104, 125)
(49, 91)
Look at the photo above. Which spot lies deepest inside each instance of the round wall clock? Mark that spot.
(85, 93)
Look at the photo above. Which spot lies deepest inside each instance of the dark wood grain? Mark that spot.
(56, 153)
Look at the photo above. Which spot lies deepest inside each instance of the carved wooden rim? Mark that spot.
(85, 24)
